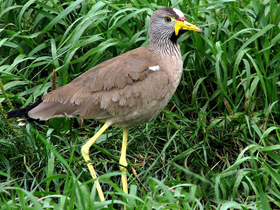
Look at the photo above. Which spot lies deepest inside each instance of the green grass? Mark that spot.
(216, 145)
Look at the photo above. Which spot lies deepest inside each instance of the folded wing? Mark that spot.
(114, 88)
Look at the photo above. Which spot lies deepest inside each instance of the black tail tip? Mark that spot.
(17, 113)
(22, 112)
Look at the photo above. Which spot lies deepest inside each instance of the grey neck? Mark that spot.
(162, 43)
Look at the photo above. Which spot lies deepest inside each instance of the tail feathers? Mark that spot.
(48, 110)
(24, 111)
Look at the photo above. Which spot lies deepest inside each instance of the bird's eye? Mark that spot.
(167, 19)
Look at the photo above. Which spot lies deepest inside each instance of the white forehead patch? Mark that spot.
(178, 12)
(154, 68)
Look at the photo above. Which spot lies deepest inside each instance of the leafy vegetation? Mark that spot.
(216, 145)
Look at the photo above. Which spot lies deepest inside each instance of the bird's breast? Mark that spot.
(174, 68)
(154, 94)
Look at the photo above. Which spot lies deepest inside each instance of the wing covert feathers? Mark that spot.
(118, 86)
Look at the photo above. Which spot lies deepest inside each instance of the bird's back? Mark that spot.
(127, 90)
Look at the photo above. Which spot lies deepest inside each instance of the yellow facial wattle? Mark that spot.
(184, 25)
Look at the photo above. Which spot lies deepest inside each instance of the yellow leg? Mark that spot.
(123, 163)
(85, 153)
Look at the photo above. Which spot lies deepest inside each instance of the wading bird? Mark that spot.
(124, 91)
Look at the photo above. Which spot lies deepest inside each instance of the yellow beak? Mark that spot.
(184, 25)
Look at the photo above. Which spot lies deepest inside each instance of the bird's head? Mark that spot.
(170, 22)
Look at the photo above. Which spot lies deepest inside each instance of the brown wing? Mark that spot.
(114, 88)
